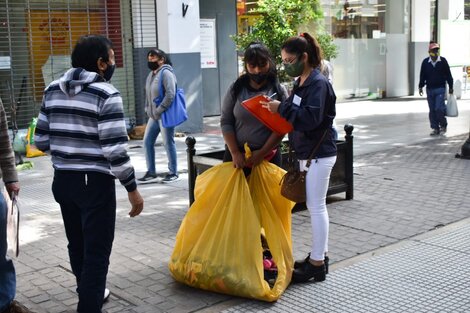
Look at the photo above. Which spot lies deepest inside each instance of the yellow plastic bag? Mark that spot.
(31, 150)
(218, 245)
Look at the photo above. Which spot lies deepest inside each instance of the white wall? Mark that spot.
(397, 65)
(178, 34)
(421, 23)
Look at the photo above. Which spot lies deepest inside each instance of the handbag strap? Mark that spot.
(161, 90)
(290, 158)
(309, 161)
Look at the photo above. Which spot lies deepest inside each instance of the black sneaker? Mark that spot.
(443, 130)
(148, 177)
(170, 178)
(435, 132)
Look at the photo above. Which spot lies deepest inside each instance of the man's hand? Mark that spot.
(451, 90)
(12, 188)
(137, 203)
(421, 91)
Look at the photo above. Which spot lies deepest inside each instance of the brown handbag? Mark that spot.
(293, 182)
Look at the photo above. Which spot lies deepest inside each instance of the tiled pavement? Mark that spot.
(399, 193)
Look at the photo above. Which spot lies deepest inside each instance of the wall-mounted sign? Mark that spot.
(208, 43)
(5, 63)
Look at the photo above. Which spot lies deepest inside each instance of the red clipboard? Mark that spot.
(273, 121)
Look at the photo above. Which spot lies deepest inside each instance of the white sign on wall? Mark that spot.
(455, 42)
(208, 43)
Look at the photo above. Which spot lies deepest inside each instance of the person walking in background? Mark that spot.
(326, 68)
(310, 109)
(10, 178)
(238, 124)
(435, 72)
(160, 69)
(81, 123)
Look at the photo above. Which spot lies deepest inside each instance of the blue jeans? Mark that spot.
(168, 136)
(437, 107)
(88, 204)
(7, 270)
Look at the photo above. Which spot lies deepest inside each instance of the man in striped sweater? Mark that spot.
(81, 124)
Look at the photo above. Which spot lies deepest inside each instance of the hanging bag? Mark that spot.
(293, 182)
(176, 114)
(452, 110)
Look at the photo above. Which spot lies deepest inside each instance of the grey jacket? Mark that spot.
(151, 91)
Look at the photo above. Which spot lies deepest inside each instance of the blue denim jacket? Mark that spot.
(305, 110)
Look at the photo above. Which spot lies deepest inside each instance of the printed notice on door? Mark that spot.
(208, 43)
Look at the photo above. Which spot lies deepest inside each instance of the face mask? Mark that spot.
(152, 65)
(258, 78)
(295, 69)
(108, 73)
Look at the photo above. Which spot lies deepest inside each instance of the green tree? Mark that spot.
(281, 19)
(329, 48)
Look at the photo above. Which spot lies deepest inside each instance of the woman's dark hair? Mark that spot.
(304, 43)
(256, 54)
(161, 54)
(88, 50)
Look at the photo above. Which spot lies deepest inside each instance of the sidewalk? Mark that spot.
(401, 190)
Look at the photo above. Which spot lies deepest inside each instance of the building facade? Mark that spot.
(381, 44)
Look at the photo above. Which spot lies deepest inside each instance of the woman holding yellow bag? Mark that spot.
(311, 110)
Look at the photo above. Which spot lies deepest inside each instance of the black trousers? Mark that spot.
(88, 204)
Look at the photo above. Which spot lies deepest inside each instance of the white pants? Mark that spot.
(318, 177)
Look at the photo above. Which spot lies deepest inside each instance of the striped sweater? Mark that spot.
(81, 123)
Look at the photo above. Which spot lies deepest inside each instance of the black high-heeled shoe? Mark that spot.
(300, 263)
(309, 271)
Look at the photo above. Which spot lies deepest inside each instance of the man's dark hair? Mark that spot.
(160, 54)
(88, 50)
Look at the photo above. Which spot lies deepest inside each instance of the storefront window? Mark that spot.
(355, 18)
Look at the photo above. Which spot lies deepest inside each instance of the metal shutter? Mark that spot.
(37, 37)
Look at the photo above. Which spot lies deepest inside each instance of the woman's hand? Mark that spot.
(256, 158)
(238, 160)
(272, 106)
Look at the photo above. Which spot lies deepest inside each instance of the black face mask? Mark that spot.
(258, 78)
(108, 73)
(152, 65)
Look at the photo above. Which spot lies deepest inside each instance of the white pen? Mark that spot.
(271, 96)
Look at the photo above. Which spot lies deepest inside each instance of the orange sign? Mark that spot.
(54, 34)
(241, 7)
